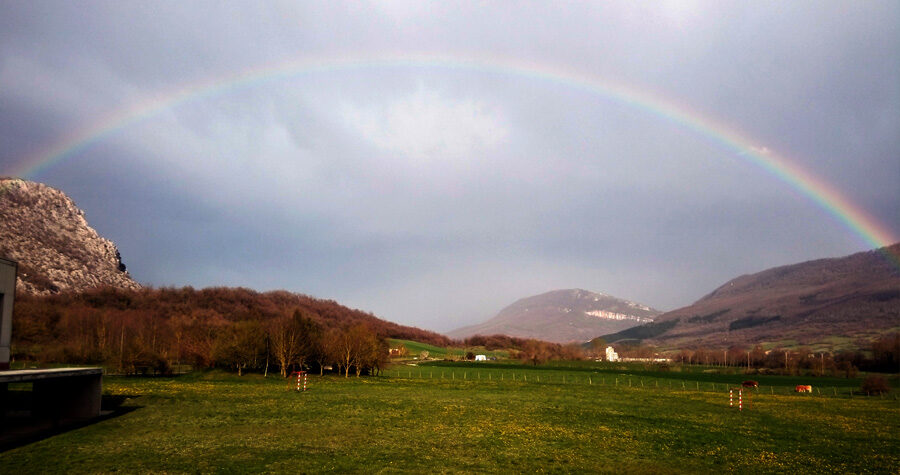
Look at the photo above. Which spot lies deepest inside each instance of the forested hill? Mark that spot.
(171, 323)
(815, 302)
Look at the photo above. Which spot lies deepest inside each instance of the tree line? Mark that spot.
(155, 330)
(528, 350)
(879, 355)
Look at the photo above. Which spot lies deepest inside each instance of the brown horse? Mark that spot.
(750, 384)
(803, 388)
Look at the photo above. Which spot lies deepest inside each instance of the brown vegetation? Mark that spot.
(850, 296)
(527, 349)
(152, 330)
(880, 355)
(875, 385)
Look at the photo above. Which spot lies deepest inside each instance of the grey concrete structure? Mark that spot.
(60, 394)
(57, 394)
(7, 292)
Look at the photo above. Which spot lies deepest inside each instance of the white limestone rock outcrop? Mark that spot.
(49, 237)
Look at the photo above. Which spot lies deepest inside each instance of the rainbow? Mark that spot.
(823, 194)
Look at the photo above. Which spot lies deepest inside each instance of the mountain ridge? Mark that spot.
(562, 316)
(855, 296)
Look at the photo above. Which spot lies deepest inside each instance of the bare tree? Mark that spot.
(284, 337)
(342, 349)
(361, 342)
(240, 345)
(534, 351)
(323, 349)
(294, 339)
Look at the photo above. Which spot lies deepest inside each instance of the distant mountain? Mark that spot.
(563, 316)
(822, 302)
(43, 230)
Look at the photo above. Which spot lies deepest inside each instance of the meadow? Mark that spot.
(532, 419)
(415, 348)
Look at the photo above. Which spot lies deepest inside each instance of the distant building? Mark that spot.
(611, 354)
(480, 358)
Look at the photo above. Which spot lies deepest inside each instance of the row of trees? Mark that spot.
(778, 360)
(153, 330)
(537, 352)
(297, 341)
(528, 350)
(882, 355)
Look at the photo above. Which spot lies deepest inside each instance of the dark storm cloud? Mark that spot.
(436, 195)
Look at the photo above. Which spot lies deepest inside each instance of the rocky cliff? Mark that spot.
(49, 237)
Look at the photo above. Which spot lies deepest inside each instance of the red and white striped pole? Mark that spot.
(740, 399)
(301, 380)
(731, 398)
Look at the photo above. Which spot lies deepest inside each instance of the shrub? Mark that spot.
(875, 385)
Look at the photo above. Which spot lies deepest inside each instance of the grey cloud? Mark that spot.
(279, 184)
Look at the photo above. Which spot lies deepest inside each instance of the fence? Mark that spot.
(538, 376)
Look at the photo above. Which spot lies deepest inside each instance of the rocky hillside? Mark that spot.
(563, 316)
(821, 302)
(57, 251)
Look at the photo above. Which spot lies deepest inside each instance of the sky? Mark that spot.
(432, 162)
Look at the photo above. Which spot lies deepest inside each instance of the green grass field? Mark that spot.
(415, 348)
(217, 422)
(700, 378)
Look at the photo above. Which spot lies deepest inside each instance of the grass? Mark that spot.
(786, 344)
(645, 375)
(830, 343)
(415, 348)
(217, 422)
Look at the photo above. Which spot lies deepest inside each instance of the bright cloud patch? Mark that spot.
(427, 127)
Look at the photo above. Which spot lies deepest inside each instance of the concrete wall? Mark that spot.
(7, 292)
(57, 394)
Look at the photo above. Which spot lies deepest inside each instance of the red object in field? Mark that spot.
(301, 380)
(740, 393)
